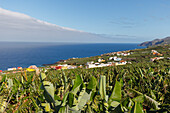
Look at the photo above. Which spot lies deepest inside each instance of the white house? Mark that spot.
(121, 63)
(154, 51)
(63, 65)
(72, 67)
(111, 58)
(101, 60)
(33, 67)
(90, 62)
(12, 69)
(91, 66)
(117, 59)
(126, 54)
(98, 65)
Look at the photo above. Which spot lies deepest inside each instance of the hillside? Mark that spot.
(143, 85)
(156, 42)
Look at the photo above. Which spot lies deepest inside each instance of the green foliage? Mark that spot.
(137, 88)
(115, 97)
(92, 83)
(102, 87)
(137, 108)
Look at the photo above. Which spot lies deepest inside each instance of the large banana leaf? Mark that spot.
(70, 99)
(48, 89)
(42, 76)
(115, 97)
(102, 87)
(10, 83)
(139, 99)
(92, 83)
(137, 108)
(83, 97)
(148, 101)
(151, 102)
(64, 101)
(46, 106)
(63, 109)
(77, 81)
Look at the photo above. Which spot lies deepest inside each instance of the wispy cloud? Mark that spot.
(124, 38)
(128, 26)
(157, 18)
(14, 28)
(20, 27)
(124, 22)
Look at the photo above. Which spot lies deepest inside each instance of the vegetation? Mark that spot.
(138, 56)
(140, 87)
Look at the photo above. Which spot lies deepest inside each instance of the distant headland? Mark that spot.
(156, 42)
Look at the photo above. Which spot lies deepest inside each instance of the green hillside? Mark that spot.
(140, 87)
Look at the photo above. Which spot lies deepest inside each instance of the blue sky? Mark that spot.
(146, 19)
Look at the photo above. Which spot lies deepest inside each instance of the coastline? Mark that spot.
(44, 55)
(63, 61)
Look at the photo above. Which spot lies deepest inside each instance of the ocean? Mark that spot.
(24, 54)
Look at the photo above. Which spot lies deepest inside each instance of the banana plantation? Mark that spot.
(141, 88)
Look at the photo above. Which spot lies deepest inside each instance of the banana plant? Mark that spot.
(48, 88)
(115, 98)
(77, 101)
(147, 101)
(102, 87)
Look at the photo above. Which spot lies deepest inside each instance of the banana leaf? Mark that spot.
(92, 83)
(48, 91)
(77, 81)
(42, 76)
(102, 87)
(137, 108)
(115, 97)
(10, 83)
(148, 101)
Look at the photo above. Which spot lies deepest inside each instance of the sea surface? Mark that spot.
(24, 54)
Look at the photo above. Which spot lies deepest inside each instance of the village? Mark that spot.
(114, 59)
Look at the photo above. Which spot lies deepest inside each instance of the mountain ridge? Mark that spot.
(155, 42)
